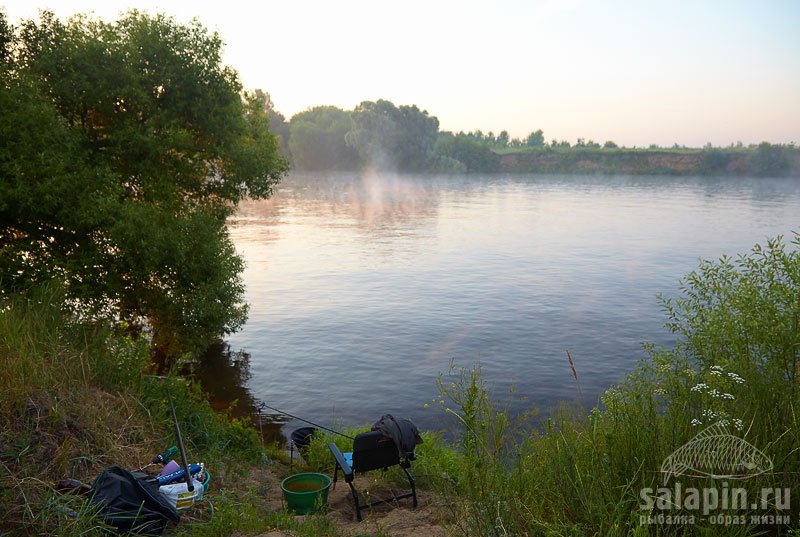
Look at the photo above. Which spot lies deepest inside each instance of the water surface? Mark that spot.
(364, 287)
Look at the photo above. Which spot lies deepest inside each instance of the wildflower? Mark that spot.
(696, 422)
(425, 405)
(738, 424)
(699, 387)
(728, 396)
(736, 378)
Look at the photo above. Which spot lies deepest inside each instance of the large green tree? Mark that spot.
(396, 138)
(535, 139)
(474, 156)
(317, 140)
(124, 147)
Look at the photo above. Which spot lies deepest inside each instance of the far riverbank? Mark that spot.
(745, 162)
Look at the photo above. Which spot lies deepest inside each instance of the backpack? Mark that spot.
(131, 502)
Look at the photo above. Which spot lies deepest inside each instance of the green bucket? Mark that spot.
(306, 493)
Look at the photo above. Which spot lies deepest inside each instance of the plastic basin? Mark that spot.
(306, 493)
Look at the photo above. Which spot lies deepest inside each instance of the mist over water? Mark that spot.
(363, 288)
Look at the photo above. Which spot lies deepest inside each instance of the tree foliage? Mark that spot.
(769, 160)
(123, 148)
(317, 140)
(474, 156)
(535, 139)
(277, 121)
(391, 137)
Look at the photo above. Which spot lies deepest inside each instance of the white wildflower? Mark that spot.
(696, 422)
(699, 387)
(728, 396)
(736, 378)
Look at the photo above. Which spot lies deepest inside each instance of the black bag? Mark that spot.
(404, 434)
(130, 503)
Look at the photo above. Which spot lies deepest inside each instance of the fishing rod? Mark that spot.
(279, 411)
(189, 484)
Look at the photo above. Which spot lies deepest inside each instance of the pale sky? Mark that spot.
(635, 72)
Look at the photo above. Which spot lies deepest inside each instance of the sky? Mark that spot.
(635, 72)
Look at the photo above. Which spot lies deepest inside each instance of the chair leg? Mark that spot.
(413, 485)
(355, 500)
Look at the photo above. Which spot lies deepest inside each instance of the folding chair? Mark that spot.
(371, 451)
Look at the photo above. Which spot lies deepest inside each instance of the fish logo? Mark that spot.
(717, 454)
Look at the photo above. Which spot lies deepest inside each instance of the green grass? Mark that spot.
(75, 398)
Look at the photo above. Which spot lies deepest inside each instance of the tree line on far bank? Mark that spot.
(382, 135)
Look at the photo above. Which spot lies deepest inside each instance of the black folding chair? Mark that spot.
(371, 451)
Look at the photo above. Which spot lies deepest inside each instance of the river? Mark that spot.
(364, 287)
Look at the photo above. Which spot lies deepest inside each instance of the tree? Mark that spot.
(277, 121)
(396, 138)
(317, 140)
(535, 139)
(610, 145)
(123, 148)
(474, 156)
(769, 160)
(6, 38)
(502, 139)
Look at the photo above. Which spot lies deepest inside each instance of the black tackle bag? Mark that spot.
(130, 503)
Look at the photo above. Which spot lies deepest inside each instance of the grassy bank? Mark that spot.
(74, 398)
(764, 160)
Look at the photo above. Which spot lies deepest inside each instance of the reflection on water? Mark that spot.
(224, 373)
(364, 287)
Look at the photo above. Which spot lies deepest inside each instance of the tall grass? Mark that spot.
(74, 399)
(588, 473)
